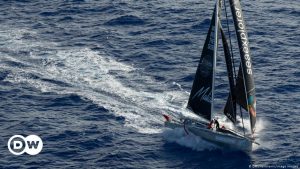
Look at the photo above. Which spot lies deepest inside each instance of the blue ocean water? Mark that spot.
(92, 79)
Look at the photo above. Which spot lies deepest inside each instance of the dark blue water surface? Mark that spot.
(92, 79)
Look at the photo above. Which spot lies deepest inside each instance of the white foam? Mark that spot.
(260, 135)
(95, 76)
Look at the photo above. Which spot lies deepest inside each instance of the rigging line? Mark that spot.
(232, 58)
(242, 119)
(229, 34)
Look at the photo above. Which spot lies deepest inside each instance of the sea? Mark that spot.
(92, 79)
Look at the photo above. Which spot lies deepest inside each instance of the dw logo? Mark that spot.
(31, 144)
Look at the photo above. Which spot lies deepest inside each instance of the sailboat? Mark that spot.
(241, 94)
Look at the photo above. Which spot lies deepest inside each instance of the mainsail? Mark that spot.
(245, 88)
(200, 100)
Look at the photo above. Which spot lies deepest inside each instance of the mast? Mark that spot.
(215, 56)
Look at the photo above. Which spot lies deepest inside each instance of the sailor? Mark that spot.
(211, 124)
(217, 124)
(222, 129)
(214, 124)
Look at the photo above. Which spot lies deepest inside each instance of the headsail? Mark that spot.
(230, 107)
(245, 89)
(200, 100)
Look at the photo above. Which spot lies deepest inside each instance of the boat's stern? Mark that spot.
(171, 123)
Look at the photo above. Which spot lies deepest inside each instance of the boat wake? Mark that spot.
(118, 87)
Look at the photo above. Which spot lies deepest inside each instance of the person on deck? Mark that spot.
(217, 124)
(211, 124)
